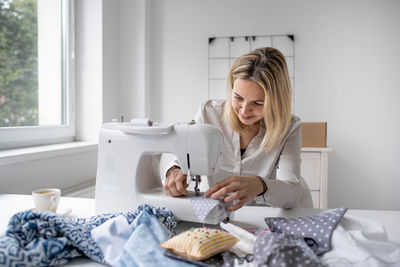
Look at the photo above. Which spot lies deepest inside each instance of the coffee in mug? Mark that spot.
(46, 199)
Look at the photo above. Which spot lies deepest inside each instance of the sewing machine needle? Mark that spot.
(188, 177)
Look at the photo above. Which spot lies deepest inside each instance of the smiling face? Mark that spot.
(248, 101)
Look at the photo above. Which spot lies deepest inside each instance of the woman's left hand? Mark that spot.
(242, 188)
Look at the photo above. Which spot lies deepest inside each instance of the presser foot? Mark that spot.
(197, 179)
(226, 220)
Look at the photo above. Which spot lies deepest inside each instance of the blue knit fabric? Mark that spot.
(41, 238)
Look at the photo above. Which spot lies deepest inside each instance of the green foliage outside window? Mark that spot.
(18, 63)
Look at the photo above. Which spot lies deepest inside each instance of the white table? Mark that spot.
(247, 217)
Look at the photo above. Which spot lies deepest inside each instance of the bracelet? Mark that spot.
(171, 169)
(265, 187)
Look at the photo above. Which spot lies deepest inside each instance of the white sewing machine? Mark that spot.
(128, 174)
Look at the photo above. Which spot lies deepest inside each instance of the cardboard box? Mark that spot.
(314, 134)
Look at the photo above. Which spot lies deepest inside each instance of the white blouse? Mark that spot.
(279, 167)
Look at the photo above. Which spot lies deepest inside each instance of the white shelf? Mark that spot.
(314, 170)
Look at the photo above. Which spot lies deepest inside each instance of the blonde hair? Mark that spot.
(267, 67)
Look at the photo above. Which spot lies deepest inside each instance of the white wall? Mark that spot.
(134, 64)
(347, 73)
(110, 61)
(125, 58)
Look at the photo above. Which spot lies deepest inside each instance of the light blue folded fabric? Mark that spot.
(142, 247)
(111, 237)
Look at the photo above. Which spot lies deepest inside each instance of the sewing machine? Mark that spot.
(128, 167)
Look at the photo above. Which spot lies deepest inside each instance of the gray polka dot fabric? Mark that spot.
(316, 230)
(278, 249)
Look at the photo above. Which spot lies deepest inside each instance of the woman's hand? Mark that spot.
(242, 188)
(175, 183)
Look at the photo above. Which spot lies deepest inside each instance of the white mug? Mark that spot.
(46, 199)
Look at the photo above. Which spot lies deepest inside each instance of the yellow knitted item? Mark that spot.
(200, 243)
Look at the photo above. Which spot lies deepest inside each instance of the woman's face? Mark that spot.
(248, 101)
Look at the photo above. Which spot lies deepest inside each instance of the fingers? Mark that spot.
(238, 190)
(238, 205)
(169, 186)
(175, 184)
(242, 200)
(234, 196)
(180, 185)
(231, 188)
(225, 187)
(217, 187)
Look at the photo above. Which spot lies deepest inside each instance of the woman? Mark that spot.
(262, 139)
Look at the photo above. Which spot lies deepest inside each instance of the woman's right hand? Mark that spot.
(175, 183)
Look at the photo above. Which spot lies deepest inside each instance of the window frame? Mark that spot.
(24, 136)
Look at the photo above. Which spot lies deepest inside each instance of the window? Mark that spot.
(36, 72)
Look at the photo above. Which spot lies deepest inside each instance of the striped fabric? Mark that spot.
(200, 243)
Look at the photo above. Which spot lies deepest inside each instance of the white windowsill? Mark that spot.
(12, 156)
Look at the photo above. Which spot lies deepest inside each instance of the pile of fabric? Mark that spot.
(146, 237)
(42, 238)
